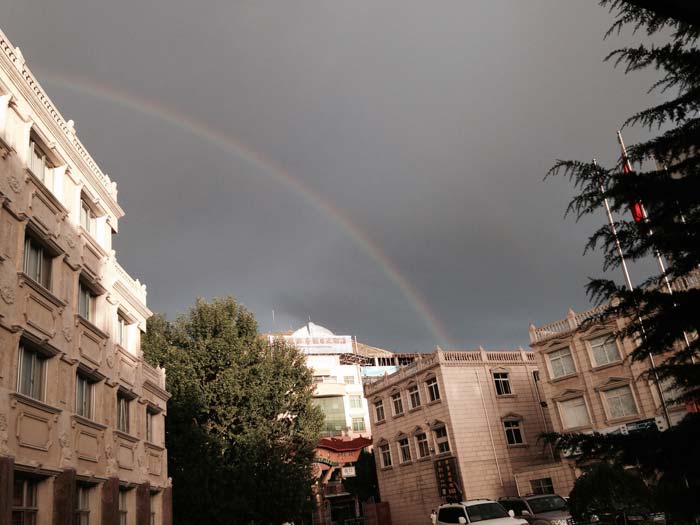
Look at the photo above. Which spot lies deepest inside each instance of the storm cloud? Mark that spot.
(375, 165)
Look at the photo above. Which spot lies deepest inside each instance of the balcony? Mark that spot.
(328, 389)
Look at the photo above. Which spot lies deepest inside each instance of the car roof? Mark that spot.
(468, 503)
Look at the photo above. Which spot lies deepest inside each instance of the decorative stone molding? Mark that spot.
(7, 294)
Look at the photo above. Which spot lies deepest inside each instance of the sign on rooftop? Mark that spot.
(315, 339)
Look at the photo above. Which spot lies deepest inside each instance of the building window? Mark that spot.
(604, 350)
(561, 363)
(422, 442)
(83, 396)
(37, 262)
(514, 434)
(86, 303)
(150, 420)
(441, 440)
(404, 450)
(122, 327)
(620, 402)
(433, 389)
(397, 404)
(122, 412)
(414, 396)
(31, 374)
(536, 376)
(542, 486)
(574, 413)
(356, 402)
(82, 512)
(358, 424)
(385, 453)
(502, 383)
(379, 410)
(154, 503)
(38, 162)
(87, 217)
(349, 380)
(24, 502)
(123, 508)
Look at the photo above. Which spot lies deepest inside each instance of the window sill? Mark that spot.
(396, 416)
(154, 446)
(42, 290)
(30, 401)
(426, 458)
(126, 436)
(621, 420)
(434, 402)
(406, 463)
(88, 422)
(380, 422)
(563, 378)
(387, 468)
(443, 454)
(91, 326)
(518, 445)
(506, 396)
(90, 238)
(414, 409)
(577, 429)
(605, 366)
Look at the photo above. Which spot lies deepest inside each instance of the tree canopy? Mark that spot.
(241, 427)
(665, 178)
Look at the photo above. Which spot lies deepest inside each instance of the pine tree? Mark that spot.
(667, 181)
(241, 426)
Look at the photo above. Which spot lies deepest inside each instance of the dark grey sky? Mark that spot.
(428, 126)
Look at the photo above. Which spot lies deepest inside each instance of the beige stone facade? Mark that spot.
(81, 413)
(590, 385)
(480, 408)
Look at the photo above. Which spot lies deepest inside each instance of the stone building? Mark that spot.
(454, 424)
(81, 413)
(590, 385)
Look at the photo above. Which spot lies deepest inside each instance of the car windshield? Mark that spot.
(547, 504)
(486, 511)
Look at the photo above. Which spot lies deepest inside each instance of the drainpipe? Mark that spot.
(488, 423)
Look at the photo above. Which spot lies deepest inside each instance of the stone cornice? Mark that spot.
(64, 134)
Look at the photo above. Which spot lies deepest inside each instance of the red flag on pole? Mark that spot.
(635, 206)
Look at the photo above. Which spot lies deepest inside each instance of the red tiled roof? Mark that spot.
(344, 444)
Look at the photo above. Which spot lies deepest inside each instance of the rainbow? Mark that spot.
(235, 147)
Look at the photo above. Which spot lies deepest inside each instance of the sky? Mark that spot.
(375, 166)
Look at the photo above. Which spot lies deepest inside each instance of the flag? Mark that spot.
(635, 206)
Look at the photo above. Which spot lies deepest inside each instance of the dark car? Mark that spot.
(539, 509)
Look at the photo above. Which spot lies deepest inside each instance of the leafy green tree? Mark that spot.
(667, 183)
(241, 427)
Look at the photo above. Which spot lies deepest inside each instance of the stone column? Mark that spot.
(7, 471)
(110, 502)
(143, 504)
(167, 506)
(64, 498)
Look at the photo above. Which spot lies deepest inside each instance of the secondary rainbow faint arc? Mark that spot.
(233, 146)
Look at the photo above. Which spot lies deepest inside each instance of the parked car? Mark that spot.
(539, 509)
(483, 511)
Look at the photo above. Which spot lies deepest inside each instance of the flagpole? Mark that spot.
(630, 287)
(657, 253)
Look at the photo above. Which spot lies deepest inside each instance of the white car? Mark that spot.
(483, 511)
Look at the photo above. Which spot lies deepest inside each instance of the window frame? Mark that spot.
(385, 455)
(125, 400)
(607, 338)
(87, 298)
(396, 404)
(355, 420)
(419, 444)
(514, 428)
(414, 400)
(502, 383)
(404, 446)
(29, 506)
(606, 403)
(44, 158)
(351, 378)
(550, 369)
(44, 257)
(357, 399)
(40, 382)
(560, 402)
(537, 488)
(441, 440)
(122, 330)
(123, 506)
(82, 404)
(379, 406)
(88, 216)
(433, 386)
(82, 504)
